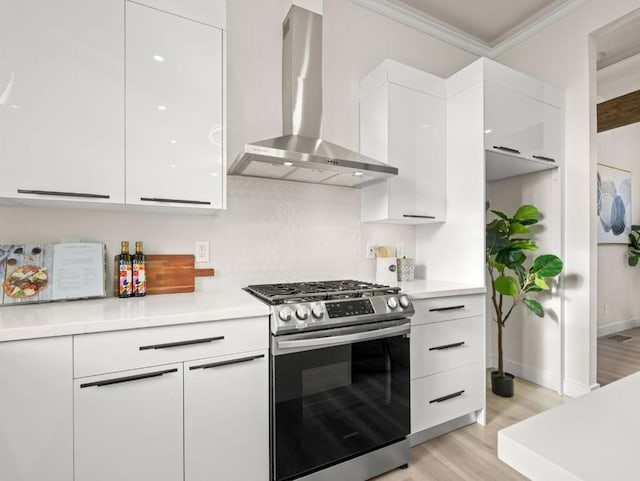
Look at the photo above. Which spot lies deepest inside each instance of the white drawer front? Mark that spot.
(136, 348)
(439, 346)
(445, 308)
(445, 396)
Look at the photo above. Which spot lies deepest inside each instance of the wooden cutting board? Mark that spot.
(168, 274)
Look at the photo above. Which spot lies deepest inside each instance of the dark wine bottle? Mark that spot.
(125, 268)
(139, 271)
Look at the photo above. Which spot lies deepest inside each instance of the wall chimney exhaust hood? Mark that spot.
(301, 154)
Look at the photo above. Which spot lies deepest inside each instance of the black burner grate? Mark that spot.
(322, 290)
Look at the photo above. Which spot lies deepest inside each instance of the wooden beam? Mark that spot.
(623, 110)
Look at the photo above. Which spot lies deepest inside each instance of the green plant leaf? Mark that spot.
(547, 265)
(539, 282)
(502, 215)
(510, 257)
(534, 306)
(516, 228)
(527, 212)
(506, 285)
(633, 261)
(528, 221)
(525, 244)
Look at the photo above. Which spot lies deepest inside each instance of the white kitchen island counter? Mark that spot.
(591, 438)
(426, 289)
(111, 314)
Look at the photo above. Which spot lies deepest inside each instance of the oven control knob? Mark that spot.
(404, 302)
(285, 314)
(302, 312)
(317, 312)
(392, 302)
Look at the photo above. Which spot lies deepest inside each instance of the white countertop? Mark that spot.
(591, 438)
(426, 289)
(111, 314)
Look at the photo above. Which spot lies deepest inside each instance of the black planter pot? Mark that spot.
(502, 386)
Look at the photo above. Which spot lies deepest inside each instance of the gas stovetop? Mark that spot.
(323, 290)
(307, 306)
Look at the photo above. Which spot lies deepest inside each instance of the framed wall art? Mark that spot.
(613, 205)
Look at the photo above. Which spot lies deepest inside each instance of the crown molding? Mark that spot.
(457, 38)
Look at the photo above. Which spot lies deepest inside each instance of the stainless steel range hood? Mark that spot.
(301, 154)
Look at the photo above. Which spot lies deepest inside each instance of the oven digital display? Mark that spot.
(349, 308)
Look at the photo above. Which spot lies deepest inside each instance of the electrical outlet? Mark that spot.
(202, 251)
(371, 251)
(605, 308)
(399, 250)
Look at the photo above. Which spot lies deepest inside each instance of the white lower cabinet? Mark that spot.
(36, 410)
(194, 405)
(128, 425)
(226, 418)
(445, 396)
(447, 362)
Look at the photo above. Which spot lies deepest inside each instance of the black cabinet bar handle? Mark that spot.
(542, 157)
(447, 346)
(506, 149)
(447, 397)
(418, 216)
(450, 308)
(181, 343)
(119, 380)
(174, 201)
(63, 194)
(226, 363)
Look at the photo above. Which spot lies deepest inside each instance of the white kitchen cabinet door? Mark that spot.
(226, 418)
(174, 110)
(417, 147)
(61, 100)
(527, 126)
(128, 425)
(404, 126)
(211, 12)
(36, 410)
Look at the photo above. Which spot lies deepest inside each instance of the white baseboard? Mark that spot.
(617, 327)
(534, 375)
(576, 389)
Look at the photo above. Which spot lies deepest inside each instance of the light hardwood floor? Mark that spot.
(618, 359)
(469, 453)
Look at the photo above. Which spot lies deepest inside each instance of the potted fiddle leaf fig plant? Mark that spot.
(512, 282)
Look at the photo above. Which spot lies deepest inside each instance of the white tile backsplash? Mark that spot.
(272, 231)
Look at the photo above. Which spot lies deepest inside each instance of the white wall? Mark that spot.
(272, 230)
(618, 300)
(563, 55)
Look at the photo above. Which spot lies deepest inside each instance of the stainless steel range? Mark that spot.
(340, 406)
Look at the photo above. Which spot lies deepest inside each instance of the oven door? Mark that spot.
(338, 394)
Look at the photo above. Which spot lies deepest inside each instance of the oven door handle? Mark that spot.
(343, 339)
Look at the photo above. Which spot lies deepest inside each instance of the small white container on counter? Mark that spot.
(386, 271)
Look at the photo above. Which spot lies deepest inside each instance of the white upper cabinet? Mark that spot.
(403, 123)
(174, 108)
(61, 100)
(523, 120)
(211, 12)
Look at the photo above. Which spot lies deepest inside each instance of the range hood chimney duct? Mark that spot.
(301, 154)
